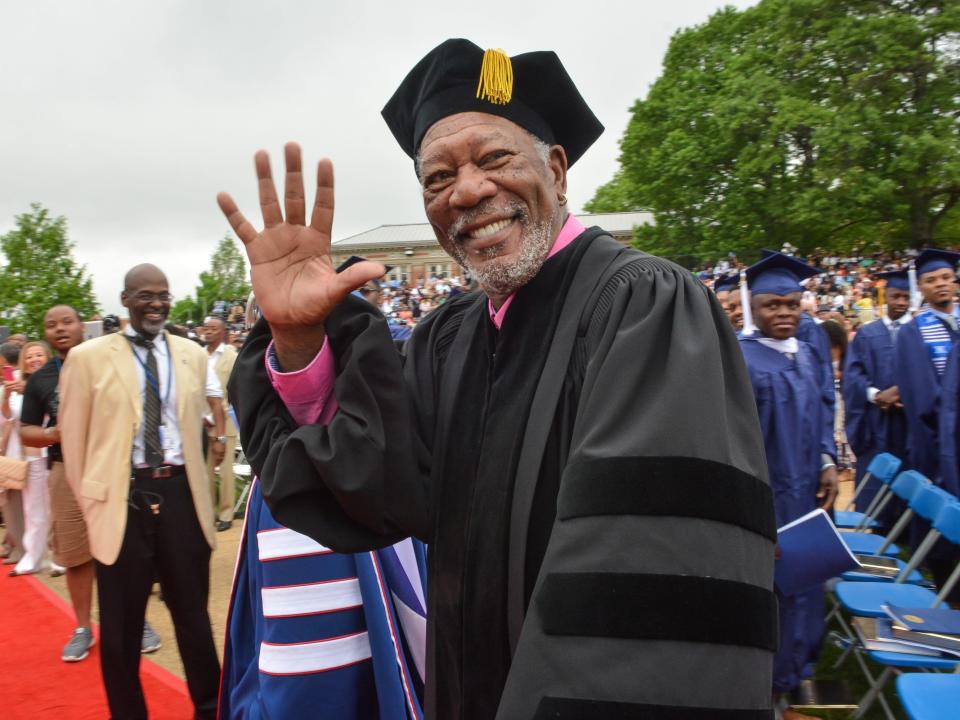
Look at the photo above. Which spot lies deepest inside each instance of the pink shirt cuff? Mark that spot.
(307, 393)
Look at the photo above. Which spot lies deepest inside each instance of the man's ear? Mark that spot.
(557, 163)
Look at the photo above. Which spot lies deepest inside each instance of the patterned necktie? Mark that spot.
(152, 447)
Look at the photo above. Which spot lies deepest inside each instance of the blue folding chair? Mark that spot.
(866, 598)
(860, 599)
(929, 697)
(946, 524)
(883, 467)
(905, 487)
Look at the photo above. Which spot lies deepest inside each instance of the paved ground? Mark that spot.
(221, 576)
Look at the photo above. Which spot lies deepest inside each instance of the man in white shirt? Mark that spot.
(134, 404)
(220, 364)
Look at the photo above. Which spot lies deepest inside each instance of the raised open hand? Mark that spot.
(291, 269)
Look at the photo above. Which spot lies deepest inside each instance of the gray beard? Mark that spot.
(152, 328)
(502, 277)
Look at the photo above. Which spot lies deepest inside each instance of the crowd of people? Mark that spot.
(559, 499)
(851, 364)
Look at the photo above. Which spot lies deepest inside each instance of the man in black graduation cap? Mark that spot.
(577, 441)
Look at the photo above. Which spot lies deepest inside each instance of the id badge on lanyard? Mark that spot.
(166, 440)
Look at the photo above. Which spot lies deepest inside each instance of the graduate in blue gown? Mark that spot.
(797, 425)
(875, 421)
(810, 331)
(950, 424)
(924, 347)
(727, 290)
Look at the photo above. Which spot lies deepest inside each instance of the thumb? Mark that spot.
(357, 275)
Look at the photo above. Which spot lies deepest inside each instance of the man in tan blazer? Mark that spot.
(134, 403)
(222, 357)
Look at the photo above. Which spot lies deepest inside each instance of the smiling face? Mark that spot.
(492, 197)
(34, 358)
(777, 316)
(734, 309)
(147, 298)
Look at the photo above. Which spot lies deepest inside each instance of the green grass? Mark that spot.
(850, 673)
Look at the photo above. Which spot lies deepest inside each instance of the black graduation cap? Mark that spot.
(932, 259)
(532, 90)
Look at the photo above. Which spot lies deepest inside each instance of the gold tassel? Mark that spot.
(496, 78)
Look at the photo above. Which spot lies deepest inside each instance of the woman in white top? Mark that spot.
(10, 500)
(36, 503)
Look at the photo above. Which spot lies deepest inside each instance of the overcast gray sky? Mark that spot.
(128, 117)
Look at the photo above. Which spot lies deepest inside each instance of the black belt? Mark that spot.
(158, 473)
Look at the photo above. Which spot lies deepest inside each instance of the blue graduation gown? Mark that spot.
(920, 387)
(810, 332)
(949, 426)
(385, 686)
(871, 362)
(797, 426)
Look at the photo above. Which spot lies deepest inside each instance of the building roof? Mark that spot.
(422, 233)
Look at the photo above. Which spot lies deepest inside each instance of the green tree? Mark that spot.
(226, 280)
(39, 271)
(822, 123)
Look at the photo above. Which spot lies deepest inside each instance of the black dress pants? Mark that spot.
(167, 543)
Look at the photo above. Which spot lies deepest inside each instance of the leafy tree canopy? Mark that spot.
(39, 272)
(828, 124)
(227, 280)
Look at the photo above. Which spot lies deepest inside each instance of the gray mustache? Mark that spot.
(474, 214)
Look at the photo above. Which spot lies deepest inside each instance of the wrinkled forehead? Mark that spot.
(469, 128)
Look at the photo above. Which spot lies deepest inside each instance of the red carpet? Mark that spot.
(35, 623)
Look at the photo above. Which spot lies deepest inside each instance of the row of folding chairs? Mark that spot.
(924, 696)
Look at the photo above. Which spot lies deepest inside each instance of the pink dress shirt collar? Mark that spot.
(568, 233)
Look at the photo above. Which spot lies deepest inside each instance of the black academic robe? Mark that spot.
(590, 479)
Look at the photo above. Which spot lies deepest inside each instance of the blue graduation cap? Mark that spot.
(932, 259)
(778, 274)
(726, 282)
(896, 279)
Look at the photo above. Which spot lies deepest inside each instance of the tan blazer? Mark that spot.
(100, 414)
(223, 367)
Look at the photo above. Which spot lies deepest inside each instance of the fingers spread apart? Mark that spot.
(269, 205)
(293, 197)
(322, 218)
(244, 230)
